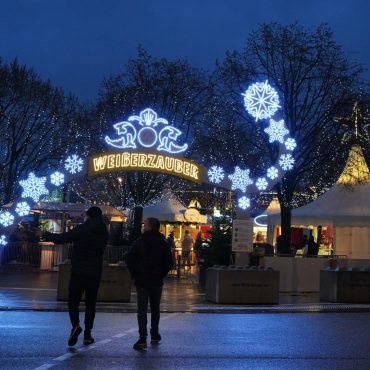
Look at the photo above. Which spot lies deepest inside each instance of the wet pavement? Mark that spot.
(38, 340)
(22, 289)
(299, 332)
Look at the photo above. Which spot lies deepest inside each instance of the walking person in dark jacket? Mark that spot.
(149, 261)
(89, 242)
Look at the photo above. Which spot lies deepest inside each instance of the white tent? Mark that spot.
(346, 207)
(171, 210)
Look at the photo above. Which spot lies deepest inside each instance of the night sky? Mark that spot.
(76, 43)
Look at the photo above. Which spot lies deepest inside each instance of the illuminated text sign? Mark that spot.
(142, 161)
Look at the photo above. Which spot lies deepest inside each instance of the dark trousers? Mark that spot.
(78, 285)
(143, 294)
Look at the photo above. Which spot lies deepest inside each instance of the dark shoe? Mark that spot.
(88, 339)
(156, 338)
(140, 345)
(75, 332)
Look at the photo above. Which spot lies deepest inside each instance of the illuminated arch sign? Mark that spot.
(145, 161)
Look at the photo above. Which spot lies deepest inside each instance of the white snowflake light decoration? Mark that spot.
(3, 240)
(240, 179)
(73, 164)
(290, 144)
(33, 187)
(244, 202)
(216, 174)
(261, 100)
(276, 131)
(272, 173)
(261, 183)
(22, 209)
(57, 178)
(286, 162)
(6, 218)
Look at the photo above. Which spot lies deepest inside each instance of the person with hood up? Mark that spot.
(149, 261)
(89, 242)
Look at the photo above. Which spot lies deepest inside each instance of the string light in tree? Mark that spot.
(276, 131)
(286, 162)
(22, 209)
(34, 187)
(73, 164)
(244, 202)
(3, 240)
(6, 218)
(216, 174)
(261, 100)
(240, 179)
(57, 178)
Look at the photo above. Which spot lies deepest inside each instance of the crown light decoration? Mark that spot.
(147, 130)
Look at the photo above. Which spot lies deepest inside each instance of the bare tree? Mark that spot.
(39, 123)
(314, 79)
(176, 91)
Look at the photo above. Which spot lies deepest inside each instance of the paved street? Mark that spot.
(37, 340)
(299, 332)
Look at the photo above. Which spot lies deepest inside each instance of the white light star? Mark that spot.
(73, 164)
(244, 202)
(3, 240)
(286, 162)
(261, 100)
(57, 178)
(240, 179)
(33, 187)
(276, 131)
(272, 173)
(216, 174)
(261, 183)
(23, 209)
(6, 218)
(290, 144)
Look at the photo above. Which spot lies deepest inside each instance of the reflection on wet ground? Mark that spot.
(37, 290)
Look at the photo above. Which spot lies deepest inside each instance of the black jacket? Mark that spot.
(89, 242)
(149, 259)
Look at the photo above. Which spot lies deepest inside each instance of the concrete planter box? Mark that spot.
(345, 285)
(242, 286)
(115, 285)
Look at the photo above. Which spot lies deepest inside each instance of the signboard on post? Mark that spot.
(242, 236)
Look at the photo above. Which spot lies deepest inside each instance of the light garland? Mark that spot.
(261, 102)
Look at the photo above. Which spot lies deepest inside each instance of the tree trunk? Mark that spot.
(137, 221)
(286, 218)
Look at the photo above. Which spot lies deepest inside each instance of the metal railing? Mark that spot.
(48, 257)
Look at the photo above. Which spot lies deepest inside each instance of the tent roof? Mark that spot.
(346, 203)
(165, 210)
(170, 210)
(76, 208)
